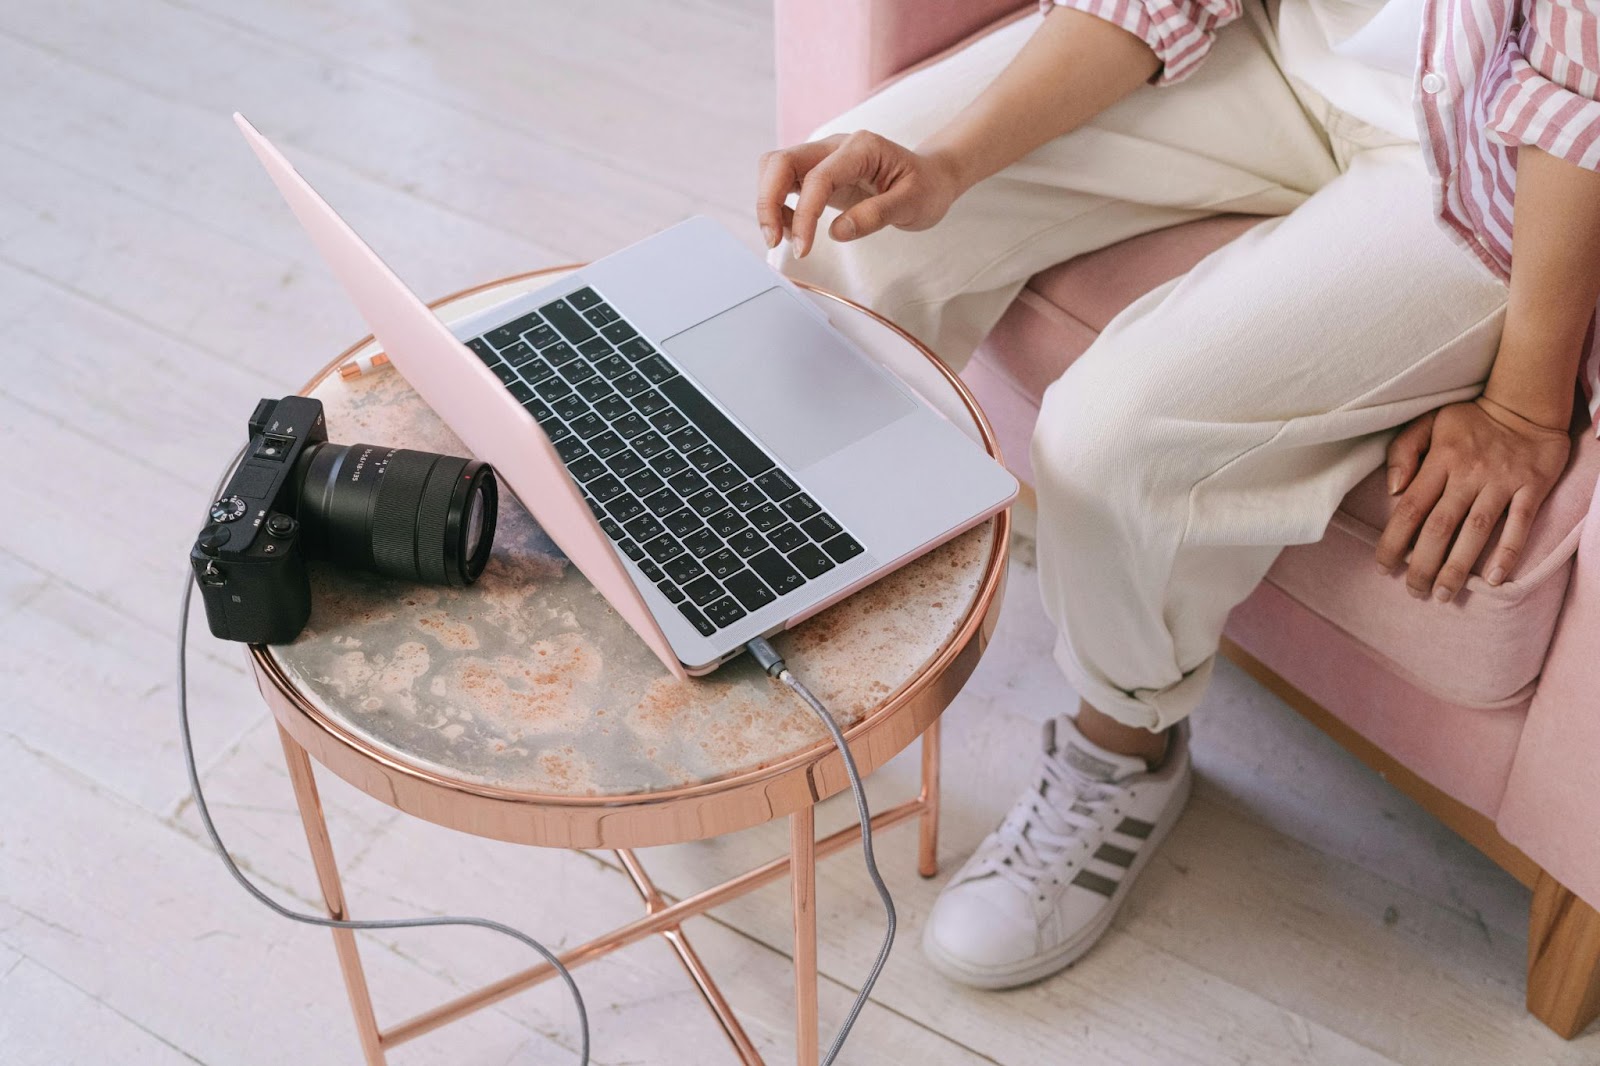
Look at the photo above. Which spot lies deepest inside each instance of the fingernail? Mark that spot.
(794, 246)
(846, 228)
(1384, 568)
(1442, 594)
(1497, 575)
(1394, 482)
(770, 235)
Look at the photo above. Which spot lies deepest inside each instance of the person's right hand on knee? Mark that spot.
(872, 180)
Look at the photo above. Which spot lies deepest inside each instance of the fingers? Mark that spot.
(851, 163)
(1433, 540)
(1406, 452)
(780, 173)
(1524, 505)
(1410, 512)
(870, 215)
(1475, 529)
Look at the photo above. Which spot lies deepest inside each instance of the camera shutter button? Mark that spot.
(280, 525)
(212, 538)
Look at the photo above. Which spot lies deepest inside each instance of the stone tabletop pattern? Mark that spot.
(527, 680)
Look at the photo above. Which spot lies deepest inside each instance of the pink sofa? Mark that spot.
(1486, 710)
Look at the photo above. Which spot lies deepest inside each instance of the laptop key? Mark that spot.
(663, 502)
(595, 348)
(536, 370)
(747, 543)
(724, 612)
(587, 424)
(596, 389)
(557, 431)
(706, 459)
(668, 464)
(570, 448)
(702, 543)
(625, 508)
(631, 549)
(612, 530)
(636, 349)
(703, 590)
(577, 372)
(607, 444)
(706, 503)
(605, 487)
(601, 315)
(569, 323)
(594, 505)
(539, 410)
(688, 439)
(625, 463)
(587, 469)
(631, 384)
(630, 425)
(650, 401)
(811, 560)
(800, 507)
(540, 336)
(511, 332)
(723, 562)
(521, 390)
(516, 354)
(584, 298)
(651, 571)
(820, 527)
(482, 350)
(618, 331)
(644, 528)
(559, 354)
(505, 373)
(726, 523)
(568, 408)
(612, 408)
(748, 590)
(683, 569)
(842, 547)
(649, 443)
(682, 522)
(776, 571)
(644, 482)
(725, 477)
(696, 619)
(766, 517)
(656, 369)
(552, 389)
(716, 425)
(670, 591)
(663, 548)
(685, 482)
(746, 496)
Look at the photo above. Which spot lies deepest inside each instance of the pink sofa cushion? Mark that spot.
(1485, 650)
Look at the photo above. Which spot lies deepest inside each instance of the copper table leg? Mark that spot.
(928, 823)
(344, 940)
(803, 878)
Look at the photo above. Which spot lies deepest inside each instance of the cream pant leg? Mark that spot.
(1223, 416)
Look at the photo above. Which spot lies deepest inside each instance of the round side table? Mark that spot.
(523, 709)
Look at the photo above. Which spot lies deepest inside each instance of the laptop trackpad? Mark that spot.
(790, 380)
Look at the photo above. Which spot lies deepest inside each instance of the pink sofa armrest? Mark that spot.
(832, 54)
(1552, 803)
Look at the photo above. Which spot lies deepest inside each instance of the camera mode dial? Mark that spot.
(228, 509)
(212, 538)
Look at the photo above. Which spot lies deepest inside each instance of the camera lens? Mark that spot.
(413, 515)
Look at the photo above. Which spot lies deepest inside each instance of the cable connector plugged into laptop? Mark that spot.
(770, 661)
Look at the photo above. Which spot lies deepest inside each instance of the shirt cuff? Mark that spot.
(1529, 107)
(1179, 32)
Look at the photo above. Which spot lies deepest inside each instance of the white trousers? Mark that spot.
(1223, 416)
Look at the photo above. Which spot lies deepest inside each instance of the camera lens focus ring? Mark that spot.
(396, 531)
(433, 521)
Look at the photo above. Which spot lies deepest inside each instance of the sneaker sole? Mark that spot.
(1059, 958)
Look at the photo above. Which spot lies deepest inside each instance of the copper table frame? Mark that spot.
(790, 787)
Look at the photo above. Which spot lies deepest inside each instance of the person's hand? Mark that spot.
(872, 180)
(1460, 468)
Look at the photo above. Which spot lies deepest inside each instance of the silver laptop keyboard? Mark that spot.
(701, 508)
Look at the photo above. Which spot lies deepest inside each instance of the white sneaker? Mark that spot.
(1042, 888)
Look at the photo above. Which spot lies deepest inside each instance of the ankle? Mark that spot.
(1114, 736)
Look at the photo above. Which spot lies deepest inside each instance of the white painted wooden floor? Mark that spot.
(152, 287)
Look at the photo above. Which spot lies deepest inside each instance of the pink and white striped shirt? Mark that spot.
(1492, 75)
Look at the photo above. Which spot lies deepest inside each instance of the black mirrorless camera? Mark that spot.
(412, 515)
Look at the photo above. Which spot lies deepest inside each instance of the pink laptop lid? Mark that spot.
(466, 394)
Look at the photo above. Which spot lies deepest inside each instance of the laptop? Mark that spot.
(685, 424)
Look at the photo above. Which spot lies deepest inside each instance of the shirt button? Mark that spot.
(1432, 82)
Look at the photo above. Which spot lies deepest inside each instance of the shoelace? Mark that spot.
(1047, 826)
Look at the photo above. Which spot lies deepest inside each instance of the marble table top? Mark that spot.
(528, 681)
